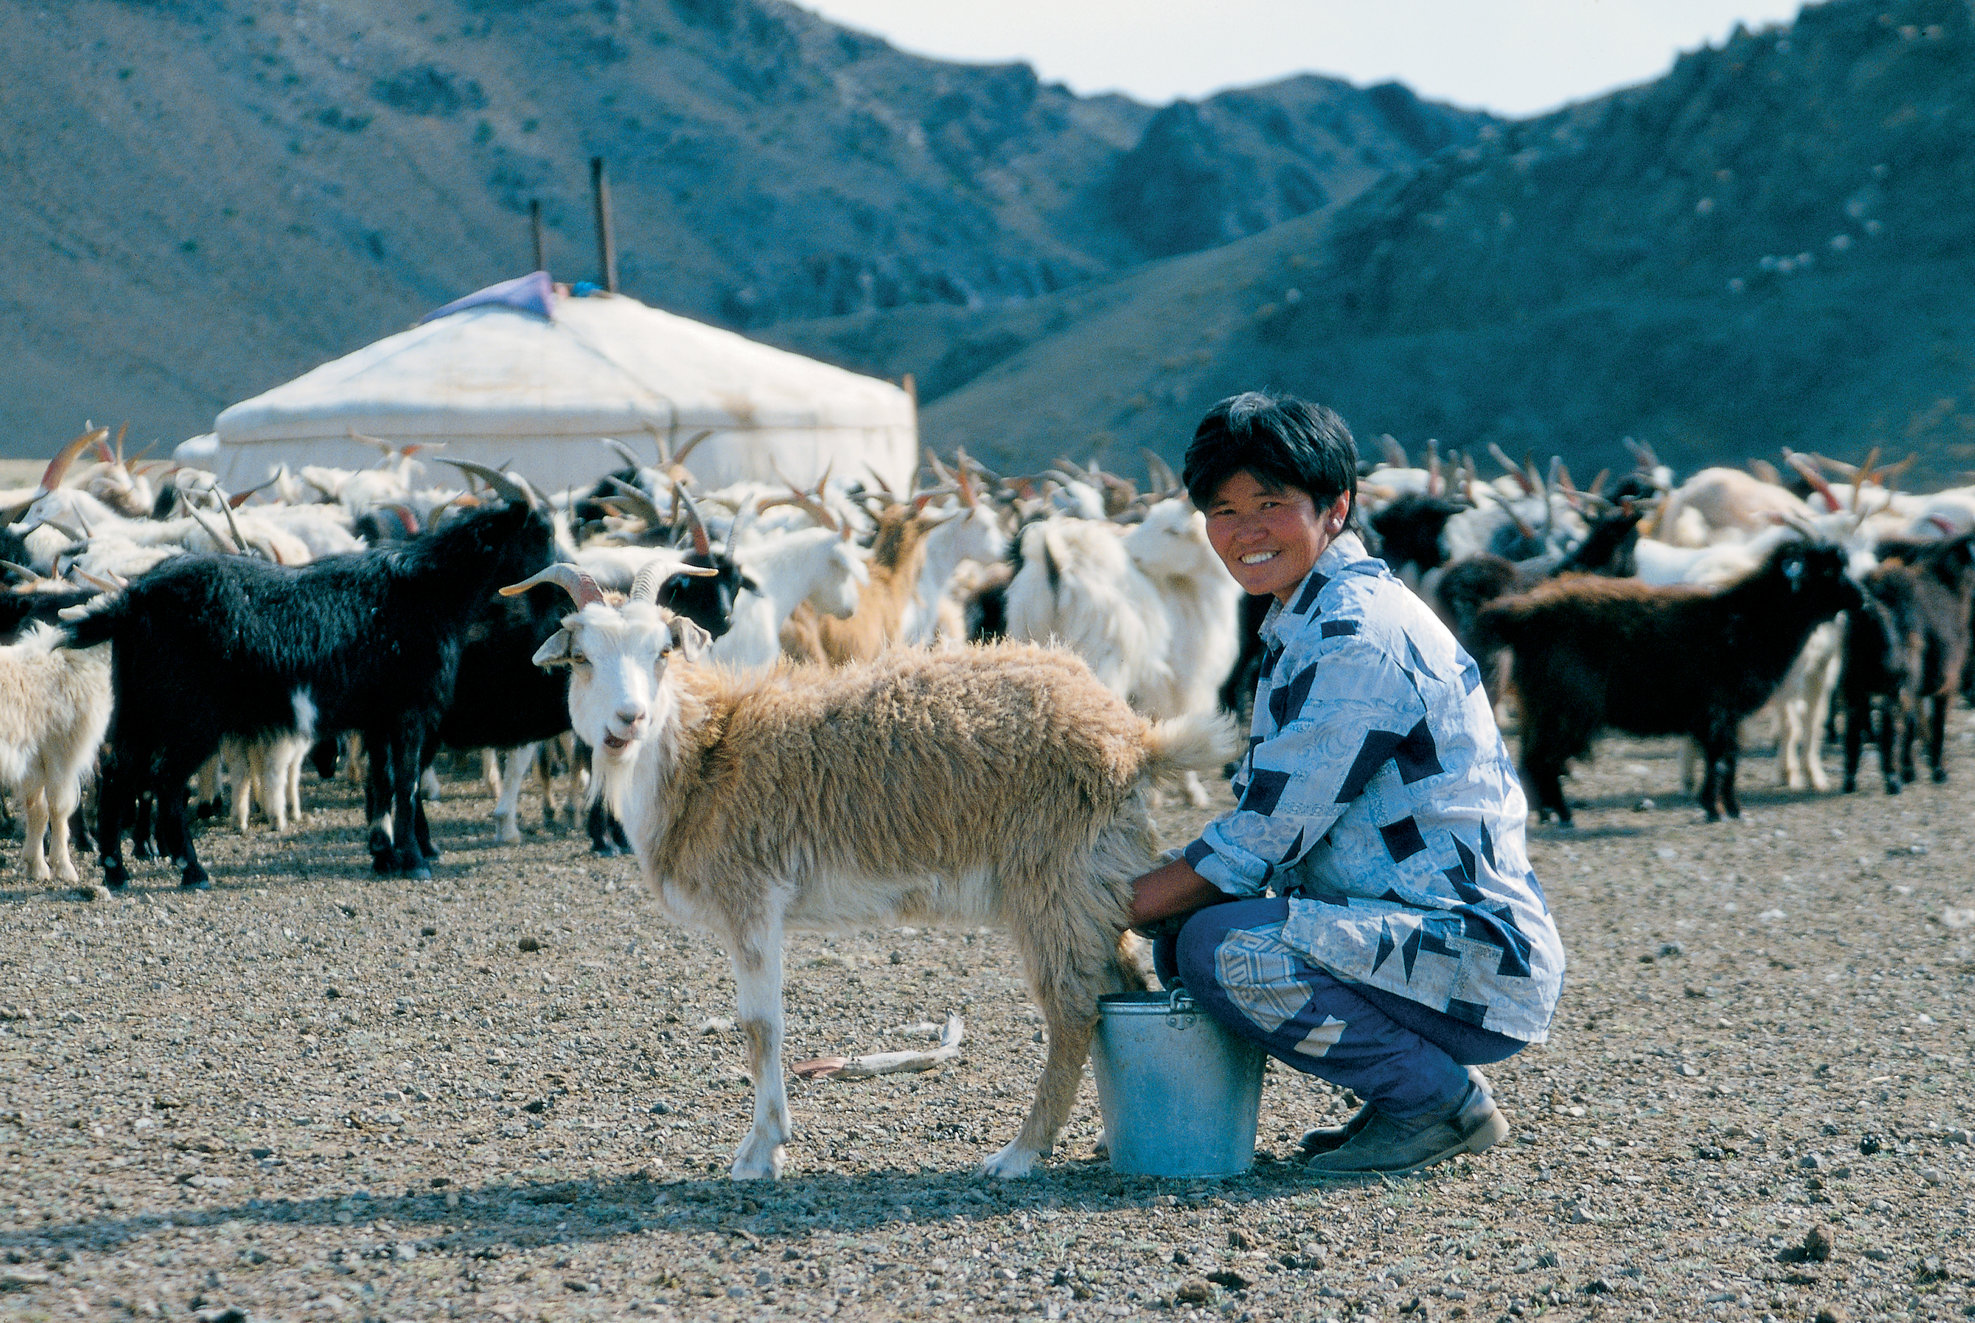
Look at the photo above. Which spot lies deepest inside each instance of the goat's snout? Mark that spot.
(627, 722)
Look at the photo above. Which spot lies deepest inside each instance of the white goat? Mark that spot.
(814, 565)
(54, 709)
(1150, 608)
(974, 533)
(270, 768)
(998, 783)
(1725, 504)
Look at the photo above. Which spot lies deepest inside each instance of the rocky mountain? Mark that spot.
(209, 196)
(1772, 245)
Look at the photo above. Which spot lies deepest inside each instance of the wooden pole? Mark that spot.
(606, 245)
(535, 227)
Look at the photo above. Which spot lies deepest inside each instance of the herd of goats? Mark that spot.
(165, 635)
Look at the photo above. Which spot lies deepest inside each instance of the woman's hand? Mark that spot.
(1169, 890)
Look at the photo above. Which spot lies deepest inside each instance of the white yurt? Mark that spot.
(525, 376)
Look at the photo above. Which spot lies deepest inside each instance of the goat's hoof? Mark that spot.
(1940, 775)
(758, 1160)
(143, 850)
(429, 853)
(1011, 1162)
(1893, 787)
(418, 873)
(115, 876)
(195, 879)
(604, 850)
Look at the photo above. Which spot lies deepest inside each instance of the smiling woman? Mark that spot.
(1407, 942)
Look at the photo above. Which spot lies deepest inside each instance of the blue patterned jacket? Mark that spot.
(1377, 795)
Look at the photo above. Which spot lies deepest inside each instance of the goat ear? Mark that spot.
(747, 582)
(555, 651)
(691, 640)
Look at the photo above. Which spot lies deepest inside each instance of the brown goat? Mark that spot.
(897, 556)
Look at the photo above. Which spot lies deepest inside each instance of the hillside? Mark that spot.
(1772, 245)
(207, 198)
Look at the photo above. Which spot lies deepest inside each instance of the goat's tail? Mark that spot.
(1198, 742)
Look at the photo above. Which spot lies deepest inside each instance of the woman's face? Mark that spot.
(1268, 536)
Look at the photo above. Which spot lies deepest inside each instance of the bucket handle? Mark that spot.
(1181, 1009)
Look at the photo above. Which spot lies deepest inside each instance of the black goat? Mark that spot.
(1466, 586)
(502, 700)
(1593, 652)
(1410, 530)
(1906, 651)
(210, 646)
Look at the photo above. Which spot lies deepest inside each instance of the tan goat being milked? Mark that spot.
(1000, 784)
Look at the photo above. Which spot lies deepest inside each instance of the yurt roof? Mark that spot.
(515, 362)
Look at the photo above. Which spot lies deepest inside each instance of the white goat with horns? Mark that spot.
(1000, 783)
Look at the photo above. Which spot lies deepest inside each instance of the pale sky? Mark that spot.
(1514, 57)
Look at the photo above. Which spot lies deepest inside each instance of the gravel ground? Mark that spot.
(512, 1093)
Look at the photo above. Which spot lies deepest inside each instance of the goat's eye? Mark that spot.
(578, 659)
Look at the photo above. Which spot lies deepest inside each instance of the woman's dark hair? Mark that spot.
(1281, 440)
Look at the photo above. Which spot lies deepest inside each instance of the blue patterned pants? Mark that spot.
(1404, 1058)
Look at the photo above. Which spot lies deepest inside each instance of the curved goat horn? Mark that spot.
(237, 501)
(58, 467)
(514, 493)
(644, 588)
(565, 576)
(679, 455)
(702, 545)
(940, 471)
(819, 512)
(220, 539)
(1810, 475)
(226, 508)
(630, 457)
(1864, 475)
(641, 504)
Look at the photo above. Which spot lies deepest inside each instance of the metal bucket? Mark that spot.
(1179, 1093)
